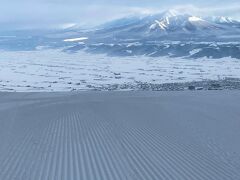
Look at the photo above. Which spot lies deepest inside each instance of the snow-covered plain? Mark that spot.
(54, 70)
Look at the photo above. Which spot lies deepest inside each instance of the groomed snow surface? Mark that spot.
(120, 136)
(53, 70)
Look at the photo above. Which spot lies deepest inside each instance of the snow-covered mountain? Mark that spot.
(169, 33)
(169, 22)
(166, 34)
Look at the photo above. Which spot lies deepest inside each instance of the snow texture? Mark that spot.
(120, 135)
(53, 70)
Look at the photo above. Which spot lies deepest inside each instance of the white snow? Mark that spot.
(53, 70)
(194, 19)
(194, 51)
(120, 136)
(167, 20)
(134, 44)
(153, 26)
(161, 24)
(228, 20)
(75, 39)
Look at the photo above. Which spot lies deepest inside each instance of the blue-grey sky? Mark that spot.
(91, 12)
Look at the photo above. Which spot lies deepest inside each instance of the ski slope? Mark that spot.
(120, 135)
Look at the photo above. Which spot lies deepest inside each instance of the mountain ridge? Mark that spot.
(169, 33)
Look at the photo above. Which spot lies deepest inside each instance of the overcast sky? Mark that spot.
(91, 12)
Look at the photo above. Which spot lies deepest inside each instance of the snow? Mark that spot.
(160, 24)
(134, 44)
(227, 20)
(194, 19)
(195, 51)
(53, 70)
(76, 39)
(167, 20)
(120, 136)
(153, 26)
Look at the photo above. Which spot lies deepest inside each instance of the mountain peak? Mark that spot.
(171, 13)
(195, 19)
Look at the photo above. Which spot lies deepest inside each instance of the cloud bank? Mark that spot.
(52, 12)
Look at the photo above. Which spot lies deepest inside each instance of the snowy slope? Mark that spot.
(169, 21)
(120, 136)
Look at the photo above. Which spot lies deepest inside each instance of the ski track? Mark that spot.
(69, 146)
